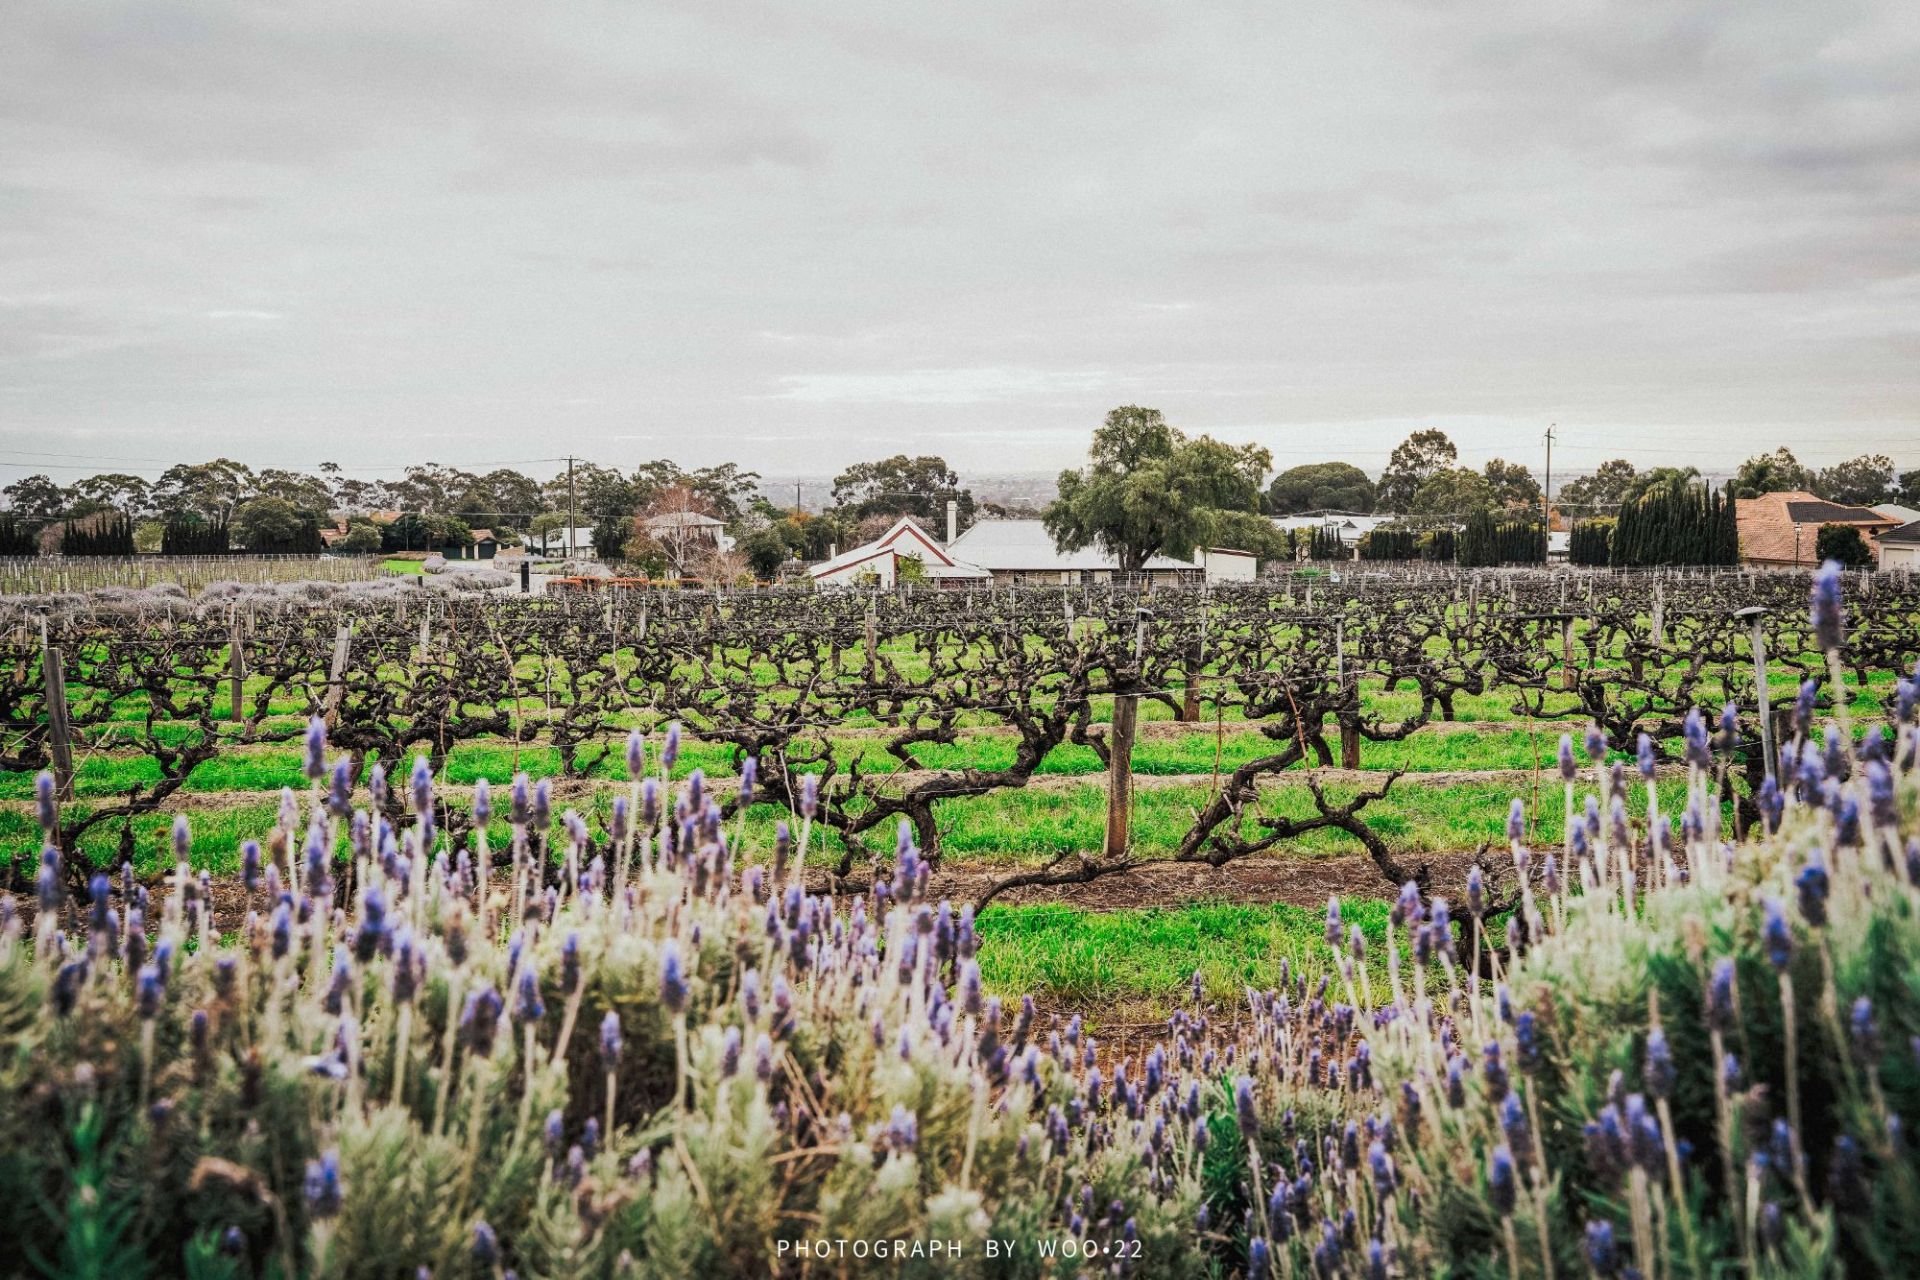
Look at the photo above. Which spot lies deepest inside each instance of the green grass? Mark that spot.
(270, 767)
(1008, 828)
(402, 566)
(1103, 959)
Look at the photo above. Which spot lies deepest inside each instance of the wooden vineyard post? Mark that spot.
(59, 726)
(337, 673)
(873, 635)
(1196, 658)
(1126, 720)
(1349, 711)
(1568, 677)
(1756, 614)
(236, 664)
(1659, 615)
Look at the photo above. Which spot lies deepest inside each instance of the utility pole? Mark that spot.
(570, 518)
(796, 498)
(1546, 489)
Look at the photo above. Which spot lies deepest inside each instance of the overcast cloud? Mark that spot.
(393, 232)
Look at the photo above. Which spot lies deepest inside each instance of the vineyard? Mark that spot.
(673, 871)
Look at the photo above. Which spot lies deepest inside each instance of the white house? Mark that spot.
(1900, 548)
(881, 562)
(1223, 564)
(1017, 551)
(1350, 525)
(577, 541)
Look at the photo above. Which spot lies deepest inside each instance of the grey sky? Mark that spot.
(794, 237)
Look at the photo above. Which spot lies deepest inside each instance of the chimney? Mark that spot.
(953, 520)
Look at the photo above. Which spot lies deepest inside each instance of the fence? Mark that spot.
(32, 575)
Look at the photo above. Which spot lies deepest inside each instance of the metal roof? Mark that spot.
(1025, 546)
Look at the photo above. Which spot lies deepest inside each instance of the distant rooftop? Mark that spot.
(1019, 546)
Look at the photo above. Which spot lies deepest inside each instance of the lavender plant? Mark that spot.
(1681, 1051)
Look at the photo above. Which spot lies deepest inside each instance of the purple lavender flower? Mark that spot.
(1569, 768)
(1720, 996)
(1334, 931)
(482, 803)
(1494, 1071)
(1243, 1108)
(1812, 886)
(45, 798)
(673, 983)
(528, 1007)
(486, 1247)
(315, 764)
(1602, 1256)
(1659, 1068)
(1516, 821)
(612, 1042)
(323, 1190)
(1864, 1031)
(1694, 731)
(480, 1021)
(1259, 1259)
(1502, 1190)
(809, 795)
(1777, 935)
(671, 751)
(1644, 757)
(636, 756)
(1596, 744)
(1803, 704)
(1829, 612)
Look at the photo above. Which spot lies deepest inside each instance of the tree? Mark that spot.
(1677, 523)
(668, 519)
(1247, 531)
(1150, 490)
(124, 493)
(1589, 542)
(362, 536)
(727, 489)
(1600, 492)
(355, 496)
(1910, 486)
(210, 490)
(35, 500)
(1320, 486)
(1660, 478)
(766, 549)
(415, 531)
(1843, 542)
(503, 500)
(1774, 472)
(1512, 485)
(266, 522)
(1456, 491)
(1863, 481)
(919, 487)
(306, 493)
(1413, 462)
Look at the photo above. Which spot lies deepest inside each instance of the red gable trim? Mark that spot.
(908, 526)
(877, 553)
